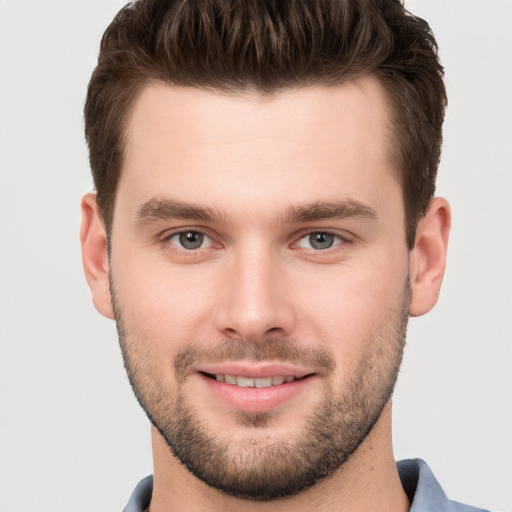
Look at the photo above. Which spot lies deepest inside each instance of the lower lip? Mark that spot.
(257, 399)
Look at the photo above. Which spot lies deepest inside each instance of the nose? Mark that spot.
(254, 302)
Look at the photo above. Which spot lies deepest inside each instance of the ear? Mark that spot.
(93, 239)
(428, 257)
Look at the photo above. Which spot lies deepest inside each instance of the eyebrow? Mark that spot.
(169, 209)
(346, 209)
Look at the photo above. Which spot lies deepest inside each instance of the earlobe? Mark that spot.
(428, 257)
(93, 240)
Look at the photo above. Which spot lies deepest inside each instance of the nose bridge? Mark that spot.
(254, 301)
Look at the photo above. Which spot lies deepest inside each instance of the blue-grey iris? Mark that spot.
(321, 240)
(191, 240)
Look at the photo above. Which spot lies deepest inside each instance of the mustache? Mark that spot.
(282, 350)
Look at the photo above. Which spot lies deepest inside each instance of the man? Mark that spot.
(263, 225)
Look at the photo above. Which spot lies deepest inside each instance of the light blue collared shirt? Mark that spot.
(419, 483)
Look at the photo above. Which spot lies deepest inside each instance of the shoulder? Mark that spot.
(141, 497)
(424, 491)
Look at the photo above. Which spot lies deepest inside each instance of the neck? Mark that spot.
(367, 481)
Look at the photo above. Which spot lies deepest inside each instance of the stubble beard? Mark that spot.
(251, 468)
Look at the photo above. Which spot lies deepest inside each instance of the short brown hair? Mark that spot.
(269, 46)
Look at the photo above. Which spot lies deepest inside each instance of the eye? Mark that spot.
(190, 240)
(319, 241)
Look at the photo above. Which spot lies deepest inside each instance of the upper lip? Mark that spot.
(254, 370)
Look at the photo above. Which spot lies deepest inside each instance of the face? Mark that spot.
(259, 274)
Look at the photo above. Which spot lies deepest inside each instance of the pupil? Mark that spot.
(321, 240)
(191, 240)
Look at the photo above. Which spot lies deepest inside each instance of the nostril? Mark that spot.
(232, 334)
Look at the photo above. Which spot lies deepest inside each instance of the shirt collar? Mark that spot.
(418, 481)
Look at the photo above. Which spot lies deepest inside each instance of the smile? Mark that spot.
(247, 382)
(257, 389)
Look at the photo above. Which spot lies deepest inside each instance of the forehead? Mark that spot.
(213, 116)
(204, 145)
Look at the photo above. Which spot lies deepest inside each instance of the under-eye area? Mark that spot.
(248, 382)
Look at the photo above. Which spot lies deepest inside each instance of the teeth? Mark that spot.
(245, 382)
(230, 379)
(263, 383)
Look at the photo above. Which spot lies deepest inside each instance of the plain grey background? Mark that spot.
(72, 437)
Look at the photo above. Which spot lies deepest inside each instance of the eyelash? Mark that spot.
(167, 240)
(338, 240)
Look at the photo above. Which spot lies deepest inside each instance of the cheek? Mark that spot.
(356, 304)
(169, 305)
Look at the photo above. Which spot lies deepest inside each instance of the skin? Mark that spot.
(253, 160)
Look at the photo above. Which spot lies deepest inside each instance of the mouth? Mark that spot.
(257, 387)
(248, 382)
